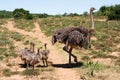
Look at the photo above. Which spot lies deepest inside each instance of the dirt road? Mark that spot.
(55, 56)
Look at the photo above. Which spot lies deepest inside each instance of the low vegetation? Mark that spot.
(7, 72)
(26, 25)
(7, 38)
(107, 34)
(29, 72)
(3, 21)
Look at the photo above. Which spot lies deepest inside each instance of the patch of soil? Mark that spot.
(55, 57)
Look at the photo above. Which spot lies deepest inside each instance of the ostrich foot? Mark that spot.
(65, 48)
(75, 59)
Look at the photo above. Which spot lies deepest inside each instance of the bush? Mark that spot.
(29, 17)
(112, 12)
(7, 72)
(16, 36)
(30, 72)
(100, 54)
(26, 42)
(94, 67)
(5, 14)
(4, 39)
(21, 13)
(12, 53)
(117, 62)
(44, 15)
(86, 58)
(6, 54)
(1, 57)
(26, 25)
(2, 50)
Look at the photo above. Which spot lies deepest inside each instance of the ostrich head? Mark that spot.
(38, 51)
(92, 9)
(45, 44)
(33, 45)
(54, 40)
(56, 36)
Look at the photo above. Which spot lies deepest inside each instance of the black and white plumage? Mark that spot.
(74, 37)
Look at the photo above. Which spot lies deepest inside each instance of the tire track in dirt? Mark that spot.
(55, 57)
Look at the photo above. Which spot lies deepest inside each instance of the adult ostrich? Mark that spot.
(74, 37)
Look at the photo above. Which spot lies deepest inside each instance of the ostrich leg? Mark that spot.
(70, 50)
(27, 66)
(43, 62)
(33, 66)
(46, 63)
(70, 54)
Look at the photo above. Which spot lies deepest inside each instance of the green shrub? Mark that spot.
(117, 62)
(12, 47)
(94, 67)
(31, 72)
(13, 53)
(2, 21)
(16, 36)
(26, 25)
(26, 42)
(3, 51)
(21, 13)
(4, 39)
(7, 72)
(6, 54)
(1, 57)
(100, 54)
(15, 72)
(86, 58)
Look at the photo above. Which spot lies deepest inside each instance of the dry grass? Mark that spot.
(107, 41)
(26, 25)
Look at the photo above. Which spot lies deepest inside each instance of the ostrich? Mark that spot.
(33, 59)
(25, 53)
(29, 57)
(74, 37)
(32, 45)
(45, 55)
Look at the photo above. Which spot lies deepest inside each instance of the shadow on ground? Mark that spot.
(72, 65)
(40, 65)
(22, 65)
(25, 66)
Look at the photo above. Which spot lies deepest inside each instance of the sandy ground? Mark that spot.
(55, 57)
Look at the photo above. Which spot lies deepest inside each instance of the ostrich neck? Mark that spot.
(33, 48)
(45, 47)
(30, 47)
(92, 22)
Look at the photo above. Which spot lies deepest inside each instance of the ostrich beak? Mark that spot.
(94, 9)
